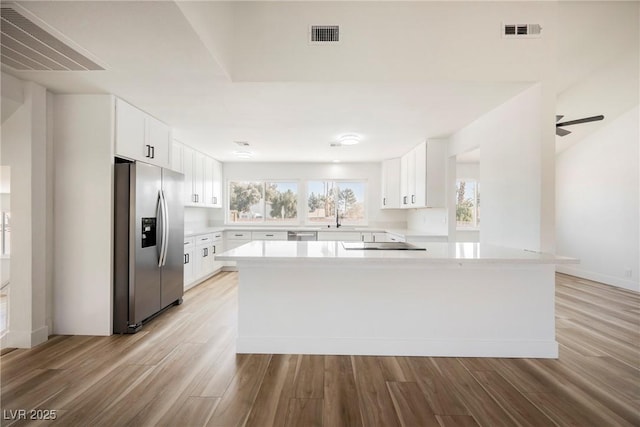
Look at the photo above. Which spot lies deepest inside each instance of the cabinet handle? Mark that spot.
(269, 235)
(153, 152)
(239, 235)
(413, 198)
(215, 200)
(186, 258)
(404, 200)
(214, 249)
(204, 238)
(374, 238)
(384, 201)
(148, 150)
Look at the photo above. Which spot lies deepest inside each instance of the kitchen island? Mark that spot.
(452, 299)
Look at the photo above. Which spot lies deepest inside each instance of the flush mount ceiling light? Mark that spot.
(243, 154)
(349, 139)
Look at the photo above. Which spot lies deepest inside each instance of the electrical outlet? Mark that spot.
(627, 272)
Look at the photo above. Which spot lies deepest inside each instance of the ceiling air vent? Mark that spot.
(25, 45)
(521, 30)
(324, 34)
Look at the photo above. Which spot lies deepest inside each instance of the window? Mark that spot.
(325, 197)
(263, 201)
(467, 204)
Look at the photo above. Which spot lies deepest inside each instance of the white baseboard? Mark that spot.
(598, 277)
(25, 339)
(396, 347)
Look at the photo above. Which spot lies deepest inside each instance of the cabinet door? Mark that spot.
(198, 178)
(420, 153)
(404, 181)
(176, 156)
(130, 131)
(380, 237)
(436, 174)
(217, 184)
(208, 178)
(159, 139)
(187, 170)
(204, 261)
(411, 178)
(391, 184)
(217, 247)
(189, 271)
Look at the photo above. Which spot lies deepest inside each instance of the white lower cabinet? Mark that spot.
(233, 239)
(269, 235)
(380, 237)
(189, 271)
(394, 237)
(200, 257)
(341, 236)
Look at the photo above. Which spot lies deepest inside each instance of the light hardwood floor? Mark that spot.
(181, 370)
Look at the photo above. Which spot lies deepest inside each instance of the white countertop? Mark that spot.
(407, 233)
(435, 253)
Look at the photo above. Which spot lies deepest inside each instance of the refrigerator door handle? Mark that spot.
(163, 243)
(166, 226)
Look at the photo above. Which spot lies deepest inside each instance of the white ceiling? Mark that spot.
(218, 72)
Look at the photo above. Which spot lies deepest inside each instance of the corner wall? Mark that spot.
(512, 150)
(597, 204)
(25, 145)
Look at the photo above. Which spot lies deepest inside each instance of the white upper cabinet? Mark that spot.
(202, 178)
(177, 156)
(217, 184)
(212, 182)
(422, 176)
(141, 137)
(391, 184)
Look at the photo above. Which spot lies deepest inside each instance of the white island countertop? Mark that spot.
(452, 253)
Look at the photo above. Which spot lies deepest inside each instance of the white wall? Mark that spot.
(432, 221)
(597, 208)
(83, 284)
(369, 172)
(24, 150)
(512, 149)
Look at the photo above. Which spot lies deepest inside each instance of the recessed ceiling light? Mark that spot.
(243, 154)
(349, 139)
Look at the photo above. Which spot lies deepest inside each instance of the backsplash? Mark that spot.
(431, 220)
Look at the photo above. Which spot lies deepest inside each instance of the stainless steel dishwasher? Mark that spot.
(302, 235)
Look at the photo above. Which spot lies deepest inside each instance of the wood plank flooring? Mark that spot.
(182, 370)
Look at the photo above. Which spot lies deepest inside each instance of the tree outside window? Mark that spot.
(325, 197)
(467, 204)
(259, 201)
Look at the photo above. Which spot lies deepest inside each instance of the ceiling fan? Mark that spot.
(563, 132)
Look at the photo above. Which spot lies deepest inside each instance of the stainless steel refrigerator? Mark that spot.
(148, 242)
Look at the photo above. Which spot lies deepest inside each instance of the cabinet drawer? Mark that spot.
(238, 235)
(269, 235)
(189, 242)
(217, 236)
(204, 239)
